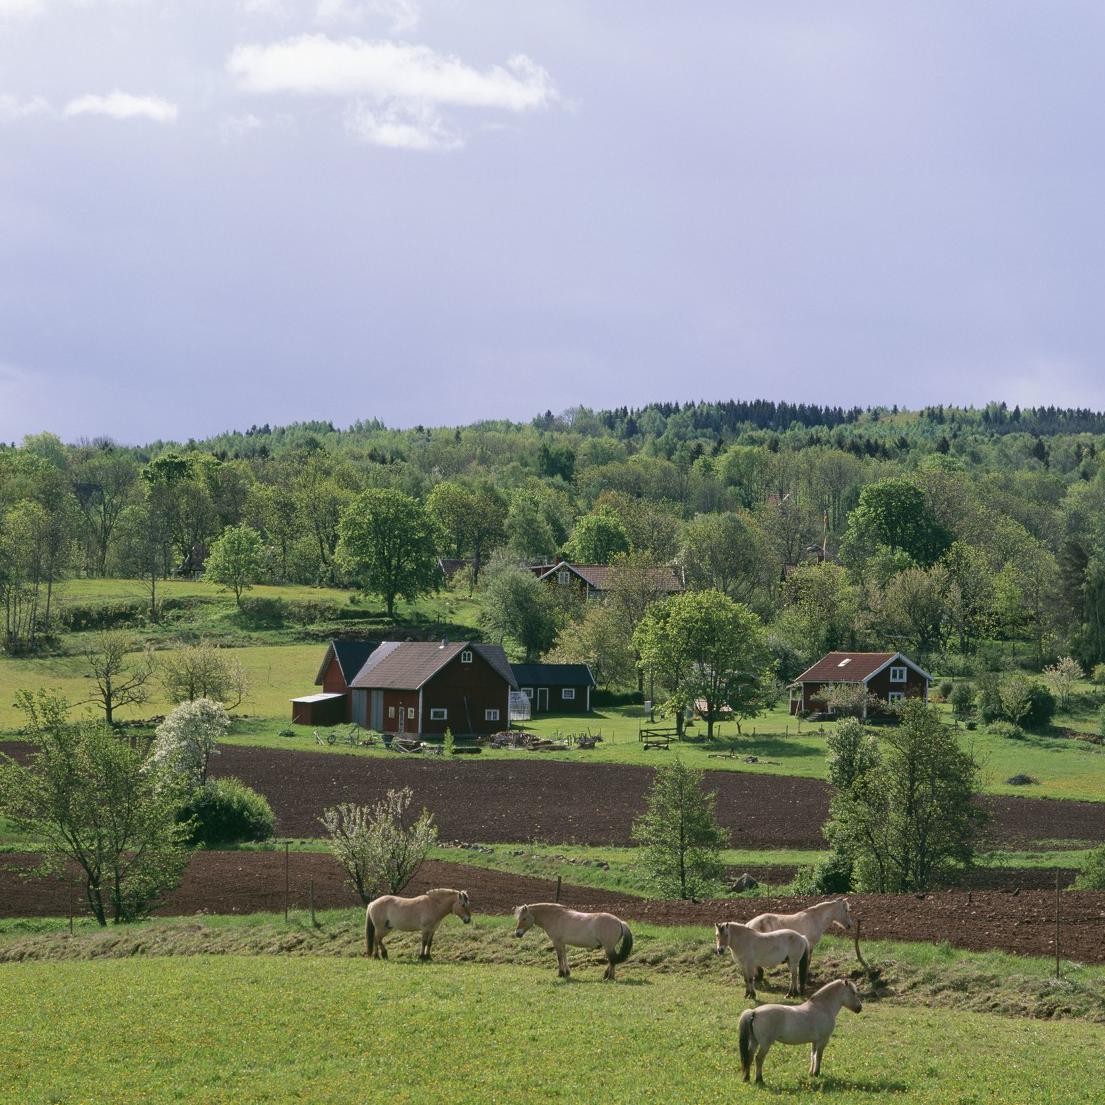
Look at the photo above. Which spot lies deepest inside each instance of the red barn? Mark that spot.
(889, 676)
(341, 663)
(422, 688)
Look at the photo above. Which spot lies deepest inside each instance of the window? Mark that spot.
(564, 577)
(391, 711)
(437, 713)
(528, 692)
(410, 713)
(898, 674)
(491, 715)
(568, 693)
(466, 657)
(895, 696)
(845, 662)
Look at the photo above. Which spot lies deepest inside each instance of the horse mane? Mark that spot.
(836, 984)
(441, 892)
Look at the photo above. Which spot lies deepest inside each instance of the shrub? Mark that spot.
(944, 689)
(962, 699)
(1006, 729)
(1027, 702)
(1098, 674)
(1101, 722)
(1021, 780)
(187, 739)
(1092, 875)
(226, 811)
(287, 731)
(448, 743)
(832, 875)
(988, 698)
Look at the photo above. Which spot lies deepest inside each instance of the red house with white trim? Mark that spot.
(889, 676)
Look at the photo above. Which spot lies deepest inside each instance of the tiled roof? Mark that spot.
(351, 656)
(598, 575)
(407, 665)
(553, 675)
(845, 667)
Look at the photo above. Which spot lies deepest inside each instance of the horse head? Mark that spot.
(523, 920)
(842, 914)
(461, 907)
(851, 996)
(721, 931)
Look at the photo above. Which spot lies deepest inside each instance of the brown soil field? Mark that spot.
(247, 882)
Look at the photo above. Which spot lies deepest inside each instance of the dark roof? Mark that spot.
(853, 667)
(408, 665)
(598, 575)
(351, 656)
(553, 675)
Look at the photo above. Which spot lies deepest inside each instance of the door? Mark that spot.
(542, 699)
(402, 719)
(377, 710)
(360, 704)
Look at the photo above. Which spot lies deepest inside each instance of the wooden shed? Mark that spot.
(320, 709)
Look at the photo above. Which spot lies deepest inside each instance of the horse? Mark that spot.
(753, 950)
(811, 1023)
(565, 926)
(422, 914)
(811, 923)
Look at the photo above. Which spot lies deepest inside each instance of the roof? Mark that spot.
(408, 665)
(854, 667)
(351, 657)
(597, 576)
(553, 675)
(318, 697)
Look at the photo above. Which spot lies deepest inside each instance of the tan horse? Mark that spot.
(582, 930)
(812, 923)
(811, 1023)
(422, 914)
(752, 951)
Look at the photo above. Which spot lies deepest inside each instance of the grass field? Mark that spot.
(277, 1029)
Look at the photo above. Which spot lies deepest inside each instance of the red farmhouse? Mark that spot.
(889, 676)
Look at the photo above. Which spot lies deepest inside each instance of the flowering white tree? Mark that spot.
(1063, 675)
(379, 853)
(187, 739)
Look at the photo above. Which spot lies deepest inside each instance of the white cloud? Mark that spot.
(20, 9)
(402, 127)
(402, 15)
(122, 105)
(384, 71)
(233, 127)
(11, 107)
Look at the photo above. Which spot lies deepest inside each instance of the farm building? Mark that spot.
(560, 688)
(320, 709)
(592, 580)
(341, 663)
(422, 688)
(889, 676)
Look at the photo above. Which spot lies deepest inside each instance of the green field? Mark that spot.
(266, 1029)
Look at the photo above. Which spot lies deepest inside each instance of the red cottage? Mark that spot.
(422, 688)
(889, 676)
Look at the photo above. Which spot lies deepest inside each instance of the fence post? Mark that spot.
(311, 899)
(557, 888)
(70, 914)
(287, 879)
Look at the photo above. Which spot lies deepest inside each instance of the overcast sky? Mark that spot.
(222, 212)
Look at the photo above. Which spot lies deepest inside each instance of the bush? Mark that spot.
(1027, 702)
(1006, 729)
(226, 811)
(1098, 674)
(962, 699)
(988, 699)
(1092, 875)
(832, 875)
(1101, 722)
(944, 689)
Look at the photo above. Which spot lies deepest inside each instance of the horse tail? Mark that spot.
(746, 1038)
(369, 932)
(621, 952)
(804, 970)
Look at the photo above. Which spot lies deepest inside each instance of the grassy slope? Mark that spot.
(234, 1029)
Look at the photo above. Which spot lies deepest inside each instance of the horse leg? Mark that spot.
(793, 991)
(760, 975)
(381, 947)
(429, 939)
(608, 974)
(562, 961)
(818, 1049)
(749, 984)
(761, 1055)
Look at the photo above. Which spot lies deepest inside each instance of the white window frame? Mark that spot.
(410, 713)
(568, 694)
(391, 711)
(439, 713)
(528, 692)
(899, 673)
(491, 715)
(564, 577)
(466, 657)
(895, 697)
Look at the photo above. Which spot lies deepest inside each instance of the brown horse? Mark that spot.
(422, 914)
(565, 926)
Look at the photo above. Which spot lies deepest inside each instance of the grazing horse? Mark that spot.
(811, 1023)
(811, 923)
(565, 926)
(754, 950)
(422, 914)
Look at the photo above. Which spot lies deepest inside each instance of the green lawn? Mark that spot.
(268, 1029)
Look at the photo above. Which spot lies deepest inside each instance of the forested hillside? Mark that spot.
(971, 538)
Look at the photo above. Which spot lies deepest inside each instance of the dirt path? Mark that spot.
(248, 882)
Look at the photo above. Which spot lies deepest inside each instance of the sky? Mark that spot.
(216, 213)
